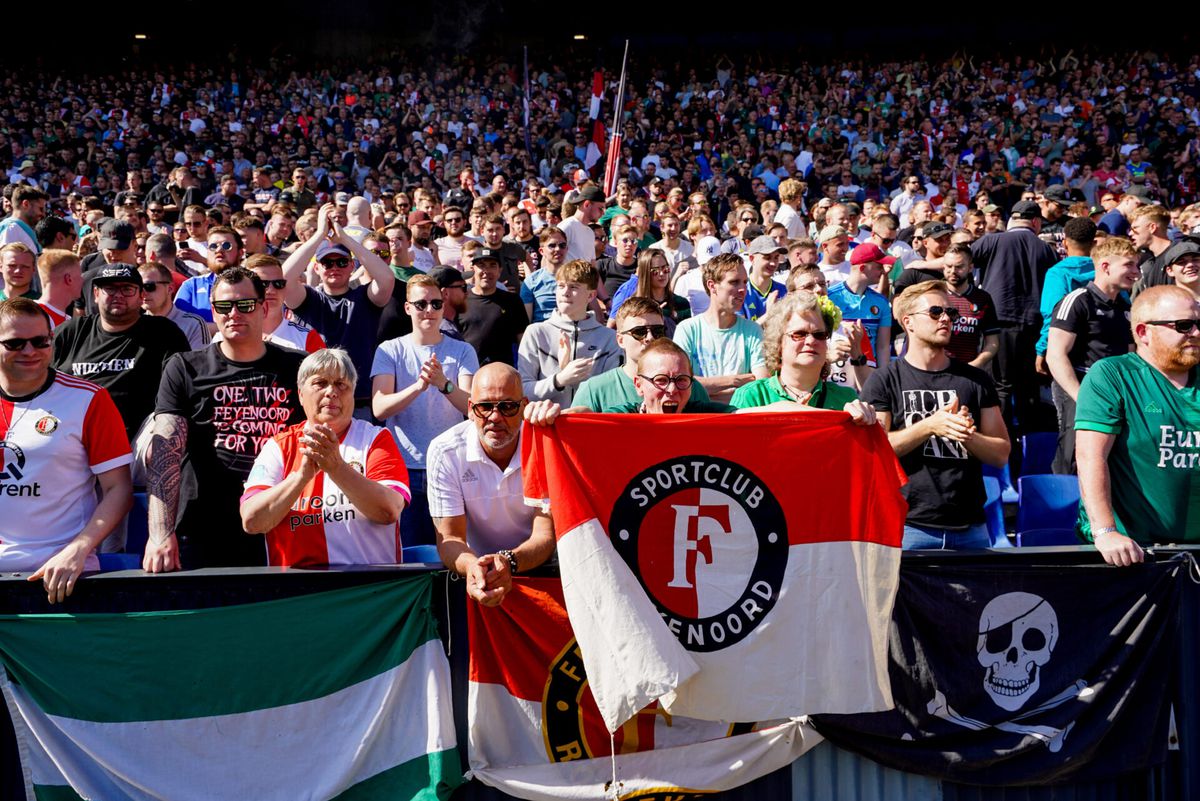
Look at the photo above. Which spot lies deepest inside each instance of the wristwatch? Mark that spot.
(858, 361)
(1104, 530)
(446, 390)
(512, 560)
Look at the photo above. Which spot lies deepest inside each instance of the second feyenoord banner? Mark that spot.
(731, 567)
(535, 731)
(1014, 674)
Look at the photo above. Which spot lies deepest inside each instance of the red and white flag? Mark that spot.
(731, 567)
(596, 146)
(535, 731)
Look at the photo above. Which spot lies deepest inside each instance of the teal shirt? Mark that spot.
(1070, 273)
(1154, 465)
(766, 391)
(613, 388)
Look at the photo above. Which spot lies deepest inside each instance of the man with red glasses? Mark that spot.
(943, 420)
(1137, 433)
(59, 437)
(485, 530)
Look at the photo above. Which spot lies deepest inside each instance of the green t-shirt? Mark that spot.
(613, 388)
(404, 273)
(1154, 465)
(766, 391)
(31, 294)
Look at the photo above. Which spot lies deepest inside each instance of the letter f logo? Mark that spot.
(690, 543)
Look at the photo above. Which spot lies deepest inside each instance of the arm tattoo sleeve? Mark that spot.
(163, 469)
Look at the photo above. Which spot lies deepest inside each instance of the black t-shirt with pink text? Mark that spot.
(231, 409)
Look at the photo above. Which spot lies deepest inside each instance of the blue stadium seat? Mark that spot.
(993, 509)
(1008, 493)
(119, 561)
(139, 526)
(1037, 453)
(421, 553)
(1047, 536)
(1047, 502)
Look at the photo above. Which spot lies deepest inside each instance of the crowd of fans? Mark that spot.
(321, 302)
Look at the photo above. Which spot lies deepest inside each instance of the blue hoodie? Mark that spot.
(1069, 274)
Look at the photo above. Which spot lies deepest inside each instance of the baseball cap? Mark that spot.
(118, 274)
(579, 176)
(447, 276)
(1026, 210)
(327, 248)
(417, 218)
(593, 193)
(752, 232)
(115, 234)
(830, 232)
(458, 198)
(1142, 193)
(487, 253)
(341, 198)
(707, 247)
(765, 244)
(991, 208)
(870, 252)
(27, 163)
(1181, 249)
(934, 230)
(1058, 194)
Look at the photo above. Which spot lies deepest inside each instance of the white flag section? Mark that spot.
(535, 731)
(780, 593)
(336, 695)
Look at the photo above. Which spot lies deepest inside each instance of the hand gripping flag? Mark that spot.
(734, 567)
(535, 731)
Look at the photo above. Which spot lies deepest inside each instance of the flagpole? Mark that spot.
(611, 169)
(528, 141)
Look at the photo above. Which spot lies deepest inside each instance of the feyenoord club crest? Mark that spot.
(47, 425)
(708, 542)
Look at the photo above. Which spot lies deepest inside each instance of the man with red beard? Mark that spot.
(1137, 433)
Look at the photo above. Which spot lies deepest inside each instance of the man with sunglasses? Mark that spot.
(1137, 433)
(157, 301)
(943, 420)
(216, 408)
(539, 287)
(420, 384)
(61, 437)
(449, 247)
(485, 530)
(222, 251)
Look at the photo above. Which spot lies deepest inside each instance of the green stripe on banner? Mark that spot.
(55, 792)
(146, 666)
(438, 774)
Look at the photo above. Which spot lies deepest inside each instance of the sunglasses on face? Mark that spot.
(484, 409)
(936, 312)
(275, 283)
(340, 263)
(244, 305)
(663, 381)
(641, 332)
(1185, 326)
(382, 253)
(152, 286)
(19, 343)
(422, 305)
(225, 245)
(453, 219)
(559, 245)
(800, 336)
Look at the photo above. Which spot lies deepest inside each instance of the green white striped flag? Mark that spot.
(336, 695)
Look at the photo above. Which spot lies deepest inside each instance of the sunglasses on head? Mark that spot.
(244, 305)
(508, 408)
(422, 305)
(640, 332)
(1185, 326)
(19, 343)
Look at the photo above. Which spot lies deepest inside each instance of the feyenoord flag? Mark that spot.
(535, 732)
(734, 567)
(596, 144)
(1012, 674)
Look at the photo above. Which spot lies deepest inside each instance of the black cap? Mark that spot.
(115, 234)
(593, 193)
(1026, 210)
(458, 198)
(117, 274)
(447, 276)
(935, 229)
(1058, 194)
(487, 253)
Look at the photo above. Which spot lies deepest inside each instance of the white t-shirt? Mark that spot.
(691, 286)
(835, 273)
(581, 242)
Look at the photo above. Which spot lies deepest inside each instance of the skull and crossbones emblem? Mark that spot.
(1017, 635)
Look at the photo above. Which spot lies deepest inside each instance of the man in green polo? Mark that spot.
(1137, 434)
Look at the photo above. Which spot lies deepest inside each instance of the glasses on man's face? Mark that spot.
(193, 223)
(463, 287)
(244, 305)
(799, 336)
(152, 286)
(382, 253)
(887, 241)
(663, 382)
(153, 210)
(484, 409)
(423, 305)
(453, 219)
(561, 245)
(275, 283)
(19, 343)
(1185, 326)
(936, 312)
(224, 245)
(122, 290)
(336, 263)
(643, 332)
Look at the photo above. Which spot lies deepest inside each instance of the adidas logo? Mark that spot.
(1152, 408)
(469, 476)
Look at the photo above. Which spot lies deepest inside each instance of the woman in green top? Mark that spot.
(796, 335)
(653, 276)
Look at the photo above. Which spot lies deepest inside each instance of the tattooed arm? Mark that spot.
(164, 459)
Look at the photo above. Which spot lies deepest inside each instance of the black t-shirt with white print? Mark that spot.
(945, 482)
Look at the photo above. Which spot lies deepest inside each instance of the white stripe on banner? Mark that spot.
(23, 737)
(492, 709)
(311, 750)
